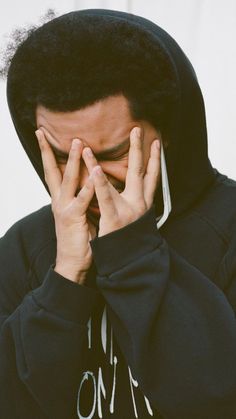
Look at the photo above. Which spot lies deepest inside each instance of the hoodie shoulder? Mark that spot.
(33, 231)
(218, 207)
(19, 248)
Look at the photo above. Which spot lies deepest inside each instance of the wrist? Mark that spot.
(71, 273)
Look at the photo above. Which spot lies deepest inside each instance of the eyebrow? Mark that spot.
(102, 155)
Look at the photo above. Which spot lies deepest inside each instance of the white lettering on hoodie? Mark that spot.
(98, 385)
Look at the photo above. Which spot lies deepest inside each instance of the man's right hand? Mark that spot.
(74, 255)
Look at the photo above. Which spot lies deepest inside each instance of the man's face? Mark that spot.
(105, 127)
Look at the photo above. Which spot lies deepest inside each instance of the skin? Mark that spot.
(86, 193)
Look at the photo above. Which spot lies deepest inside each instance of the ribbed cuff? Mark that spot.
(65, 298)
(121, 247)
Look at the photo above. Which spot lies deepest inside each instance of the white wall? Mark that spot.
(205, 29)
(21, 190)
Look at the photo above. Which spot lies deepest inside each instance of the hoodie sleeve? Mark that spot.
(43, 338)
(175, 327)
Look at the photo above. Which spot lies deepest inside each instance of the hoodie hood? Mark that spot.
(189, 170)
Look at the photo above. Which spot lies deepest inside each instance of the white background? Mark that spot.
(205, 29)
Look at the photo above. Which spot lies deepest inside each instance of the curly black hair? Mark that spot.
(75, 60)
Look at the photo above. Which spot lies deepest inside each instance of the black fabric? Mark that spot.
(153, 333)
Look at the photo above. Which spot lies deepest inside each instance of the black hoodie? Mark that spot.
(154, 332)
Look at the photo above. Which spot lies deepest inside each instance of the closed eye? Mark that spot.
(117, 158)
(63, 160)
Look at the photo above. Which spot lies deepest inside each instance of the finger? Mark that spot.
(52, 173)
(152, 175)
(103, 192)
(47, 134)
(135, 172)
(70, 180)
(85, 195)
(89, 159)
(91, 162)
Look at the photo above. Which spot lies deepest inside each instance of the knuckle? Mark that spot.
(139, 171)
(82, 198)
(108, 198)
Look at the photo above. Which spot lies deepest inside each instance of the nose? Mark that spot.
(116, 178)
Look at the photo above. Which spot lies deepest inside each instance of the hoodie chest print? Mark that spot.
(95, 378)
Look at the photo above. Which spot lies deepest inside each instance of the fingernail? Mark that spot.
(138, 132)
(38, 135)
(89, 152)
(158, 145)
(75, 143)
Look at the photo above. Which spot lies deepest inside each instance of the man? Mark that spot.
(104, 312)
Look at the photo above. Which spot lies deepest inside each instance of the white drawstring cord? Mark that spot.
(165, 191)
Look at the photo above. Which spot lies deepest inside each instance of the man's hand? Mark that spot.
(73, 232)
(119, 209)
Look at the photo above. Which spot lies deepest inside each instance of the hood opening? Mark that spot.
(187, 164)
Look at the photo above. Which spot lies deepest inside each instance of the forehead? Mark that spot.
(103, 124)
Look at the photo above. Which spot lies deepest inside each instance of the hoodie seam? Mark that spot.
(56, 316)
